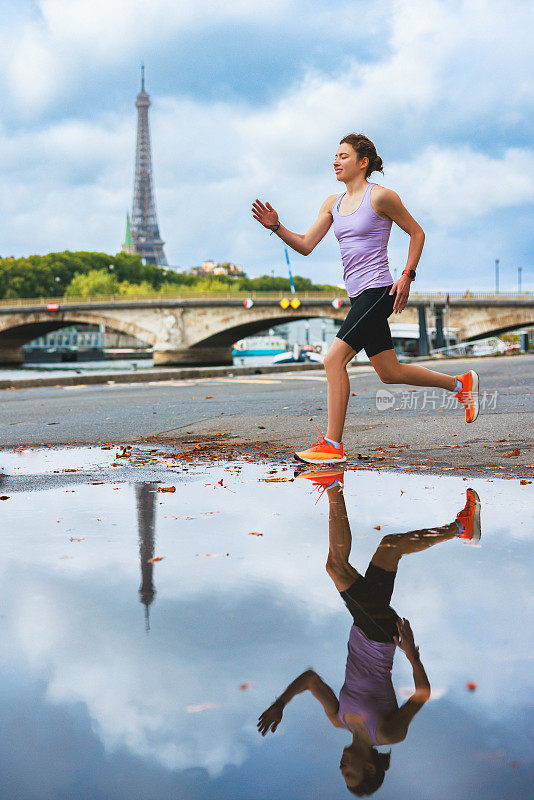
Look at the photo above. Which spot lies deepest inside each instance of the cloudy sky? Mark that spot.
(250, 99)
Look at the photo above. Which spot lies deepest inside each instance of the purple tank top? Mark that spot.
(368, 689)
(363, 239)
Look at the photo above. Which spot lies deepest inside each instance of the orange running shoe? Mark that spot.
(321, 452)
(323, 479)
(468, 395)
(469, 518)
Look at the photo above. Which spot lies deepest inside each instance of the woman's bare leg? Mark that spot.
(340, 542)
(338, 387)
(395, 545)
(390, 370)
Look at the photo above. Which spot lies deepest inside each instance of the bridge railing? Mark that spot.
(436, 297)
(157, 297)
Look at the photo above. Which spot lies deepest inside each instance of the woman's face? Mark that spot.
(353, 767)
(347, 165)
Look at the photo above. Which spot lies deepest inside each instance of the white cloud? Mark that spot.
(51, 55)
(453, 186)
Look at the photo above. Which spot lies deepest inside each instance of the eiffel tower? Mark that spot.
(145, 236)
(146, 522)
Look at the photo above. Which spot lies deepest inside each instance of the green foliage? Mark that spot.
(126, 288)
(94, 282)
(50, 275)
(84, 274)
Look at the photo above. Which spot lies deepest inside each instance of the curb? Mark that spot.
(147, 376)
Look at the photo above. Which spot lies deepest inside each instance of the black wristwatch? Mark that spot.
(410, 273)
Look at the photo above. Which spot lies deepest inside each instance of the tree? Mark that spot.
(94, 282)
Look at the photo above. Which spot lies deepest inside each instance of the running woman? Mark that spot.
(362, 217)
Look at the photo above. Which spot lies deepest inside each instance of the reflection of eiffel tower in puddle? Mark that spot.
(145, 494)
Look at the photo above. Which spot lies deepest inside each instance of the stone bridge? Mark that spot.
(202, 330)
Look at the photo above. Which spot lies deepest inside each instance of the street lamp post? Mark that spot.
(519, 269)
(497, 276)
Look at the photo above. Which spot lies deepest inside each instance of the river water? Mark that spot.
(111, 366)
(143, 632)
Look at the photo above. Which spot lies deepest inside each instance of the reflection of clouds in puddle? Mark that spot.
(79, 622)
(142, 693)
(405, 692)
(32, 460)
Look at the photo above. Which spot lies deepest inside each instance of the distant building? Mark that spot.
(215, 268)
(128, 246)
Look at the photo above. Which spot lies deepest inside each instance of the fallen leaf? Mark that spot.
(377, 527)
(471, 685)
(261, 427)
(253, 533)
(277, 480)
(166, 488)
(209, 397)
(156, 558)
(5, 497)
(107, 447)
(81, 539)
(244, 686)
(515, 452)
(523, 482)
(355, 394)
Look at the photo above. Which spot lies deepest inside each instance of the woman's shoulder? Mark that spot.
(383, 200)
(329, 202)
(383, 192)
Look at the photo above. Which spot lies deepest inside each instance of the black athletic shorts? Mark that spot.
(368, 600)
(366, 324)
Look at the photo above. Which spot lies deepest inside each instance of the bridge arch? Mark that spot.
(18, 329)
(228, 336)
(481, 329)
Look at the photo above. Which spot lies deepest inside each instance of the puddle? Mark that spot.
(34, 460)
(143, 632)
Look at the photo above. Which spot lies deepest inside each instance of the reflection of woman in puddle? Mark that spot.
(367, 706)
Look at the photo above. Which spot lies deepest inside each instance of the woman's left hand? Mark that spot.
(271, 718)
(402, 287)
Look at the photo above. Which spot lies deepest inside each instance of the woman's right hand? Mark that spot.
(405, 639)
(270, 718)
(265, 214)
